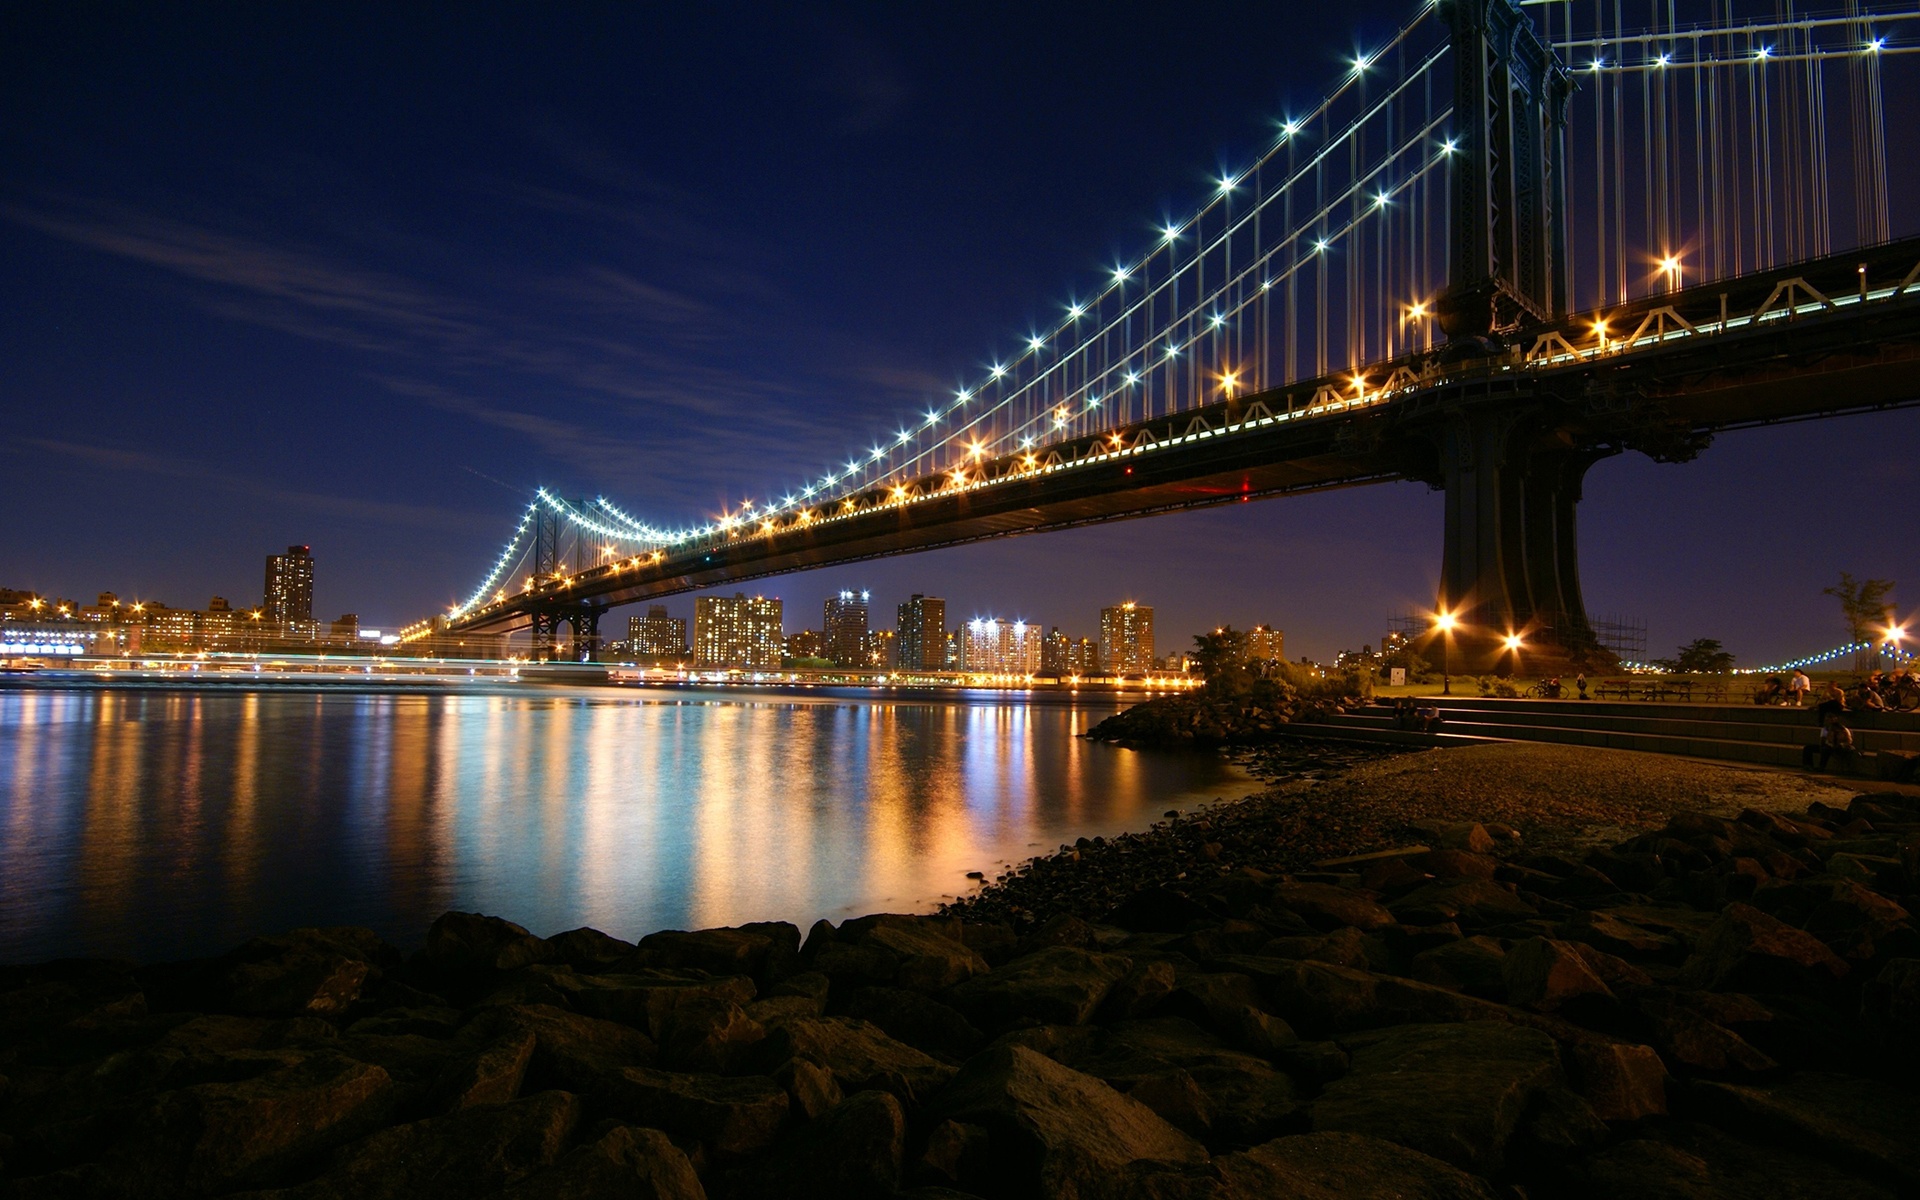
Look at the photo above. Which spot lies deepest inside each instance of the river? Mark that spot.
(168, 822)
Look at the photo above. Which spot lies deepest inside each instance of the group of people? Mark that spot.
(1878, 692)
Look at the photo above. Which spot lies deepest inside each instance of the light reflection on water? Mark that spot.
(153, 823)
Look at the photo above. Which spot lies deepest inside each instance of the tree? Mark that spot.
(1701, 656)
(1419, 670)
(1221, 657)
(1865, 606)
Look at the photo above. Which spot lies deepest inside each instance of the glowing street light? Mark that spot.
(1228, 380)
(1444, 624)
(1670, 266)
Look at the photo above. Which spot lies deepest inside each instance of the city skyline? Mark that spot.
(236, 258)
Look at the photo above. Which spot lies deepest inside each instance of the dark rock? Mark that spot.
(1475, 965)
(1688, 1039)
(1603, 931)
(1690, 1162)
(645, 998)
(494, 1075)
(708, 1034)
(1057, 986)
(1343, 947)
(576, 1052)
(1455, 864)
(317, 971)
(991, 940)
(588, 949)
(1620, 1081)
(1863, 1124)
(859, 1055)
(767, 951)
(1055, 1132)
(929, 960)
(1890, 1006)
(1333, 1166)
(1746, 950)
(1320, 998)
(468, 942)
(640, 1164)
(1328, 907)
(248, 1131)
(956, 1149)
(810, 1087)
(852, 1152)
(1471, 903)
(1176, 1098)
(1249, 1100)
(1139, 991)
(918, 1020)
(1456, 1092)
(1158, 910)
(474, 1151)
(731, 1115)
(1561, 1123)
(1231, 1006)
(1547, 976)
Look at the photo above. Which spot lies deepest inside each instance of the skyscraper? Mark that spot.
(1126, 639)
(657, 634)
(846, 629)
(1266, 642)
(995, 647)
(737, 632)
(923, 634)
(287, 609)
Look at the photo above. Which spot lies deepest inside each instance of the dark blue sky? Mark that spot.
(362, 276)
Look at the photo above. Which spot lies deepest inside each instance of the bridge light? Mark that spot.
(933, 418)
(1075, 312)
(1121, 274)
(975, 449)
(998, 370)
(1171, 232)
(1663, 60)
(904, 435)
(1132, 377)
(1876, 45)
(959, 478)
(1321, 245)
(1217, 320)
(1035, 341)
(1093, 402)
(766, 527)
(1360, 64)
(1173, 351)
(1025, 442)
(1380, 200)
(1265, 284)
(1226, 183)
(1418, 312)
(900, 491)
(962, 396)
(1116, 439)
(1289, 127)
(1449, 146)
(1763, 53)
(1596, 64)
(877, 452)
(1227, 382)
(1059, 417)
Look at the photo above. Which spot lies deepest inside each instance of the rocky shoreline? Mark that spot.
(1722, 999)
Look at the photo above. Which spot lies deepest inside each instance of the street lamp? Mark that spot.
(1444, 623)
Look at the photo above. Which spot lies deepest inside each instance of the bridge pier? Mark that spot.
(1511, 563)
(584, 620)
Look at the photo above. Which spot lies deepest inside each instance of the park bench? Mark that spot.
(1617, 689)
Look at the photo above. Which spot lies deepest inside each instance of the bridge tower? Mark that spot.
(1508, 256)
(582, 617)
(1512, 476)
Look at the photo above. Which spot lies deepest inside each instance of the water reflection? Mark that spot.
(154, 823)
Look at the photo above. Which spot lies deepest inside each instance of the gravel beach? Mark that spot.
(1330, 800)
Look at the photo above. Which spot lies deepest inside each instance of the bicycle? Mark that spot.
(1544, 691)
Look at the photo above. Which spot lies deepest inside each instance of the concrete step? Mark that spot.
(1744, 714)
(1869, 736)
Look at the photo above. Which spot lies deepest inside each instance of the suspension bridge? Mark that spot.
(1508, 243)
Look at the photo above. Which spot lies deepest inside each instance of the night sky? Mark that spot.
(362, 276)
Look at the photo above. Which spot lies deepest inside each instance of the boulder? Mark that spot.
(472, 1152)
(707, 1034)
(858, 1054)
(468, 942)
(1547, 976)
(1055, 1132)
(1230, 1005)
(809, 1086)
(1320, 998)
(918, 1020)
(1247, 1100)
(1346, 947)
(928, 961)
(767, 951)
(646, 997)
(954, 1150)
(1449, 863)
(1339, 1166)
(316, 971)
(1692, 1162)
(576, 1052)
(1688, 1039)
(1176, 1098)
(853, 1151)
(588, 949)
(1456, 1092)
(492, 1076)
(639, 1164)
(1328, 907)
(1890, 1007)
(1604, 931)
(1746, 950)
(1139, 991)
(1470, 903)
(1157, 910)
(1059, 985)
(1620, 1081)
(1863, 1124)
(1475, 965)
(731, 1115)
(248, 1131)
